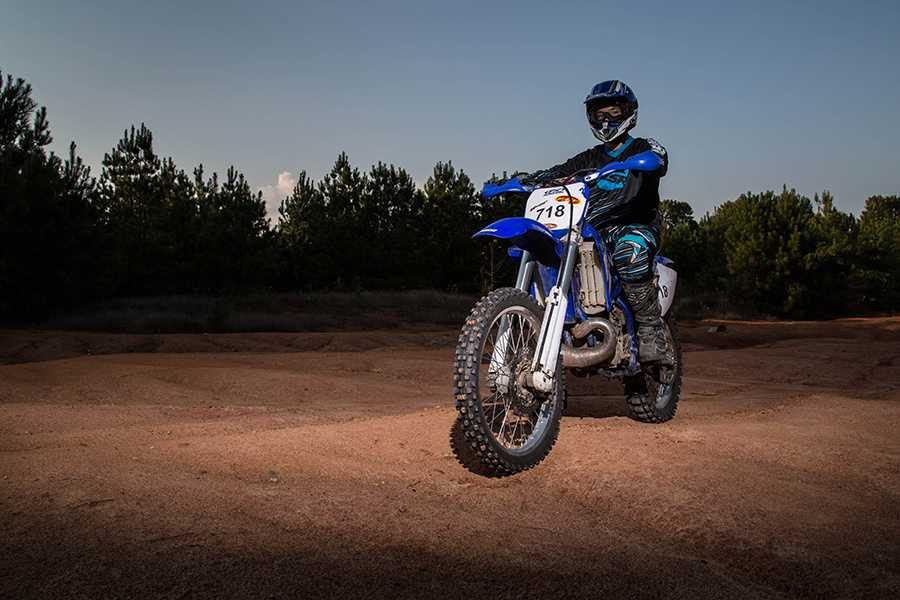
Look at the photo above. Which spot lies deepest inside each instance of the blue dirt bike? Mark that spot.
(566, 312)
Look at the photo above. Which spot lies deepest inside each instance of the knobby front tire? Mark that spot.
(499, 430)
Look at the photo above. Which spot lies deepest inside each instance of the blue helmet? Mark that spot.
(611, 93)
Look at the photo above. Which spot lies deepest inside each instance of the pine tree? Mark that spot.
(295, 210)
(681, 240)
(46, 213)
(390, 212)
(339, 244)
(450, 217)
(179, 226)
(496, 267)
(300, 215)
(673, 213)
(829, 262)
(760, 242)
(235, 242)
(878, 253)
(131, 205)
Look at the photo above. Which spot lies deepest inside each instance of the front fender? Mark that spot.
(526, 234)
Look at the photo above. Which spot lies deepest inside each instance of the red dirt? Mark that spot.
(317, 465)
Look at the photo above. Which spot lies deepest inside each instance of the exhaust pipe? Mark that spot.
(587, 356)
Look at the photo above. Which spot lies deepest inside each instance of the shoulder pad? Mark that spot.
(657, 147)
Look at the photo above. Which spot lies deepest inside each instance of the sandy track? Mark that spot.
(328, 473)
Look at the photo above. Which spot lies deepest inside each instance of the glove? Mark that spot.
(524, 177)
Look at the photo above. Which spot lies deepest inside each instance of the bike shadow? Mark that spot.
(595, 407)
(595, 398)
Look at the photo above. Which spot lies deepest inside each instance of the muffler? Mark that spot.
(588, 356)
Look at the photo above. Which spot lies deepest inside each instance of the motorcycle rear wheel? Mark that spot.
(652, 396)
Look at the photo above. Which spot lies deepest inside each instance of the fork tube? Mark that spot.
(498, 356)
(526, 270)
(547, 353)
(571, 259)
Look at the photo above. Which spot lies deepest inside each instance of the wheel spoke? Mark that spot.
(506, 408)
(521, 337)
(502, 425)
(495, 415)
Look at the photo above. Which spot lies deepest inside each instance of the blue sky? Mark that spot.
(745, 97)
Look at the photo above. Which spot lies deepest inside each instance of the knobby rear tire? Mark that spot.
(643, 400)
(471, 439)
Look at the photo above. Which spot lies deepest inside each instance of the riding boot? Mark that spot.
(653, 343)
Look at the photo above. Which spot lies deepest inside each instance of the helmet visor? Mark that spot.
(602, 115)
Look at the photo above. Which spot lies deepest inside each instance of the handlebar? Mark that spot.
(645, 161)
(513, 185)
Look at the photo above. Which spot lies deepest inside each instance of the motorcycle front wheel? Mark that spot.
(502, 426)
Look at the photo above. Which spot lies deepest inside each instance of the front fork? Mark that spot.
(546, 356)
(499, 371)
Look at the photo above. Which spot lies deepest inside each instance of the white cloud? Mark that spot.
(274, 194)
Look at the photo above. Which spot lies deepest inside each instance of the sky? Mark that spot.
(745, 96)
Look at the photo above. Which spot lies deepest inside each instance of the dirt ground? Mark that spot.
(318, 465)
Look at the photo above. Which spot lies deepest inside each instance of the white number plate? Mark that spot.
(550, 206)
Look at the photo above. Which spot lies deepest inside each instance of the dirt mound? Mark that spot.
(17, 346)
(317, 465)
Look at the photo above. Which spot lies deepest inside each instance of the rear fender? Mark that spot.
(666, 280)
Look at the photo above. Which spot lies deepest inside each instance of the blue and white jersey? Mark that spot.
(621, 197)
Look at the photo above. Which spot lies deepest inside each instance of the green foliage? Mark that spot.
(829, 264)
(339, 253)
(148, 228)
(377, 229)
(234, 240)
(451, 216)
(673, 213)
(167, 232)
(391, 219)
(132, 209)
(764, 239)
(782, 254)
(877, 272)
(684, 238)
(47, 219)
(300, 214)
(496, 268)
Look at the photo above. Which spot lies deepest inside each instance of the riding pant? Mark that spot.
(633, 249)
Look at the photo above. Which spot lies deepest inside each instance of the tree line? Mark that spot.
(786, 255)
(143, 226)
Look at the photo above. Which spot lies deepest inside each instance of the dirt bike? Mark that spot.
(566, 313)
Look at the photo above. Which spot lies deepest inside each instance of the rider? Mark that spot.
(623, 206)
